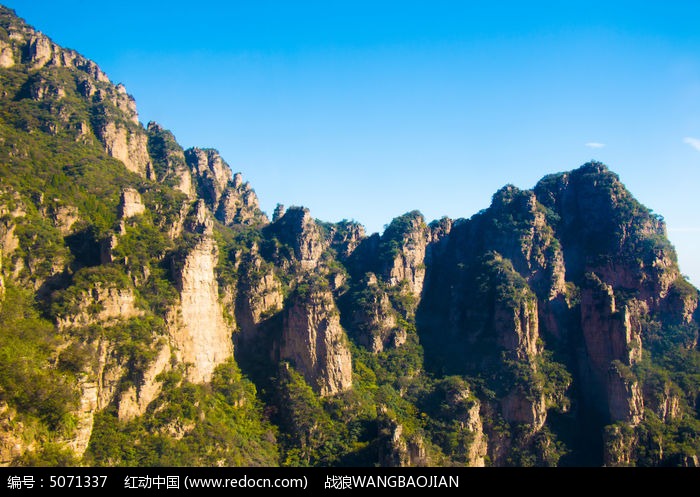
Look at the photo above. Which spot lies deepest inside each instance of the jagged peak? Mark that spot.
(510, 194)
(208, 151)
(5, 11)
(295, 221)
(404, 225)
(595, 167)
(154, 127)
(279, 212)
(200, 219)
(37, 50)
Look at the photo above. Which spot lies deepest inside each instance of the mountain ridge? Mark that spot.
(154, 315)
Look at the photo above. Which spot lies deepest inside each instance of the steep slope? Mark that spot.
(152, 314)
(102, 225)
(575, 270)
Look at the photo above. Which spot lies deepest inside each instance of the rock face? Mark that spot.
(461, 408)
(112, 303)
(40, 51)
(345, 237)
(213, 175)
(114, 118)
(476, 454)
(127, 146)
(515, 321)
(239, 204)
(374, 319)
(130, 204)
(7, 57)
(134, 401)
(201, 336)
(64, 217)
(2, 280)
(405, 241)
(232, 200)
(260, 295)
(315, 344)
(169, 159)
(611, 336)
(98, 387)
(299, 230)
(619, 446)
(402, 451)
(11, 443)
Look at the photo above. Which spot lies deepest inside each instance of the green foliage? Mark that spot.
(141, 246)
(50, 454)
(309, 436)
(395, 234)
(669, 372)
(311, 285)
(506, 283)
(555, 380)
(41, 247)
(447, 409)
(403, 300)
(509, 212)
(217, 424)
(29, 380)
(522, 376)
(167, 155)
(165, 205)
(135, 341)
(72, 300)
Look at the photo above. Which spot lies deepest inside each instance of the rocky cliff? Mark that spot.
(315, 344)
(152, 315)
(201, 337)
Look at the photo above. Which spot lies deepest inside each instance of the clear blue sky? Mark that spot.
(367, 109)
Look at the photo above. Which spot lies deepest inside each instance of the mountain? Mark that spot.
(152, 314)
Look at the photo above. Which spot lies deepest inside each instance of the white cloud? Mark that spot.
(693, 142)
(595, 145)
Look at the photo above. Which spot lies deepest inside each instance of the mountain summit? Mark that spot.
(152, 314)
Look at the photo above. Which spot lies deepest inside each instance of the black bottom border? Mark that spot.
(327, 481)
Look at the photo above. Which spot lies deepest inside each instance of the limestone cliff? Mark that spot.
(260, 294)
(198, 330)
(135, 400)
(231, 200)
(315, 344)
(169, 159)
(2, 279)
(239, 204)
(611, 336)
(344, 237)
(212, 174)
(130, 204)
(374, 319)
(299, 231)
(98, 387)
(114, 117)
(123, 144)
(12, 444)
(102, 303)
(400, 450)
(403, 244)
(461, 409)
(515, 322)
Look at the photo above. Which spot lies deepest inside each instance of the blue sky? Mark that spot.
(366, 110)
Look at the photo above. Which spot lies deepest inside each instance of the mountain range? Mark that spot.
(152, 314)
